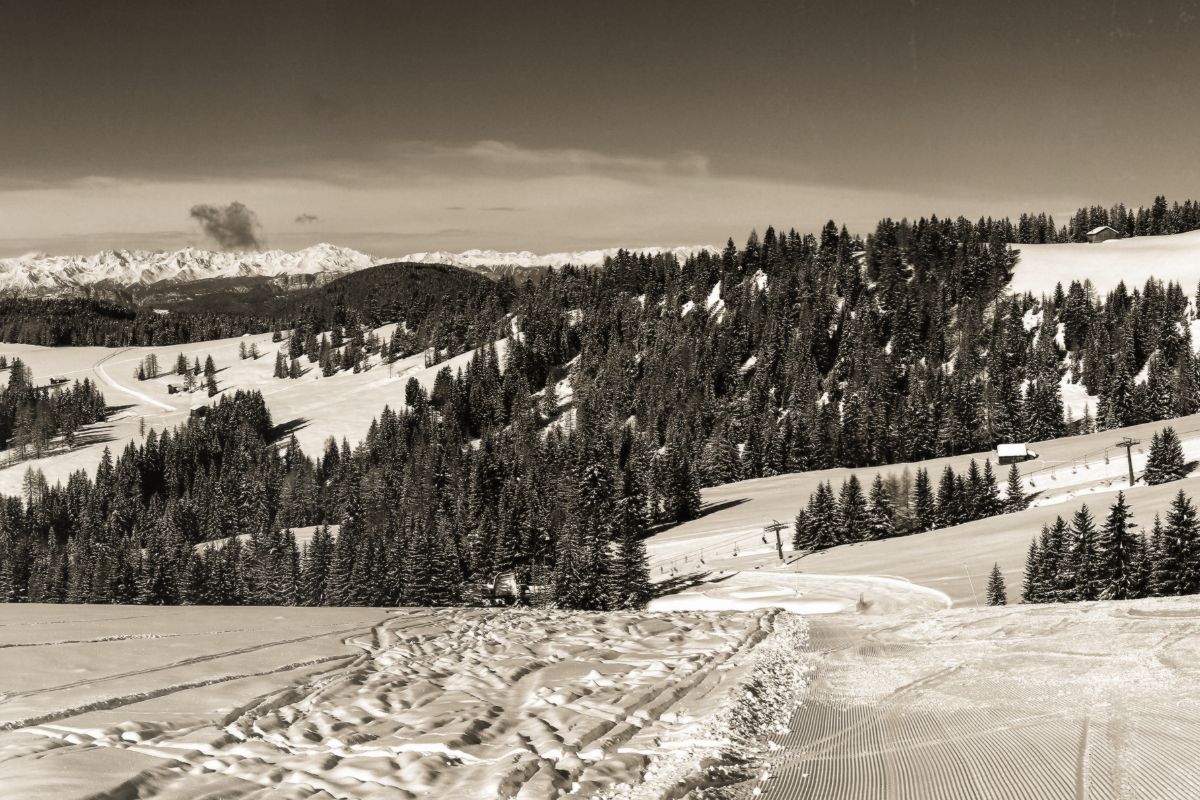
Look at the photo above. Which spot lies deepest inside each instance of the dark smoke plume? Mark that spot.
(232, 227)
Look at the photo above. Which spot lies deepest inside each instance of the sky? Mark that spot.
(398, 127)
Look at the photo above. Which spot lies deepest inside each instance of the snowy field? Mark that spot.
(239, 703)
(1168, 258)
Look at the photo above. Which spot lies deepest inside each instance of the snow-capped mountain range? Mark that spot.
(39, 273)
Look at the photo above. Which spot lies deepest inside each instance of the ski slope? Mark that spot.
(1083, 700)
(729, 538)
(1168, 258)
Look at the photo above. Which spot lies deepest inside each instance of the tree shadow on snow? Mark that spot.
(285, 429)
(705, 510)
(679, 583)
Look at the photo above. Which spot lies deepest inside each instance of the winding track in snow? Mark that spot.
(100, 371)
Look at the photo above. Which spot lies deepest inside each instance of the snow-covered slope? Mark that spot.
(38, 273)
(1168, 258)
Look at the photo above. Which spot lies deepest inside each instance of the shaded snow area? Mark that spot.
(1076, 399)
(1083, 700)
(255, 702)
(803, 593)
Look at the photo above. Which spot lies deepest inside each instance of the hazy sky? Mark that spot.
(404, 126)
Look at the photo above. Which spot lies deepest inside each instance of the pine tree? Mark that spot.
(1015, 498)
(988, 502)
(852, 520)
(996, 592)
(1165, 461)
(1175, 570)
(881, 514)
(1032, 590)
(949, 500)
(823, 518)
(1118, 553)
(802, 534)
(924, 507)
(1084, 558)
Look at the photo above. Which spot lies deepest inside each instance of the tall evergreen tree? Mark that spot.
(1119, 552)
(997, 594)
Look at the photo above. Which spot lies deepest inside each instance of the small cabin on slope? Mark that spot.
(1014, 453)
(1101, 234)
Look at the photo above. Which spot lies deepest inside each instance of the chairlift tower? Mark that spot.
(1128, 444)
(776, 526)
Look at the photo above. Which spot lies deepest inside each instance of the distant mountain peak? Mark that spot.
(39, 273)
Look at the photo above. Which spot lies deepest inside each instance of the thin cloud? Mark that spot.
(427, 161)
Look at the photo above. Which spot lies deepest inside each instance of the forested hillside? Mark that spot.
(793, 352)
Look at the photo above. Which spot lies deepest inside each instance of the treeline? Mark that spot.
(1082, 560)
(31, 417)
(898, 506)
(1157, 219)
(445, 308)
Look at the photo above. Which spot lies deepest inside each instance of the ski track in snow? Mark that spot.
(108, 379)
(1026, 702)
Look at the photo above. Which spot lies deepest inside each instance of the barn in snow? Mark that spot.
(1101, 234)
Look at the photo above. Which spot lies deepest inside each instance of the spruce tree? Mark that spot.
(1084, 558)
(1176, 567)
(1118, 552)
(924, 507)
(1165, 461)
(823, 518)
(852, 511)
(996, 592)
(1032, 590)
(881, 514)
(1015, 498)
